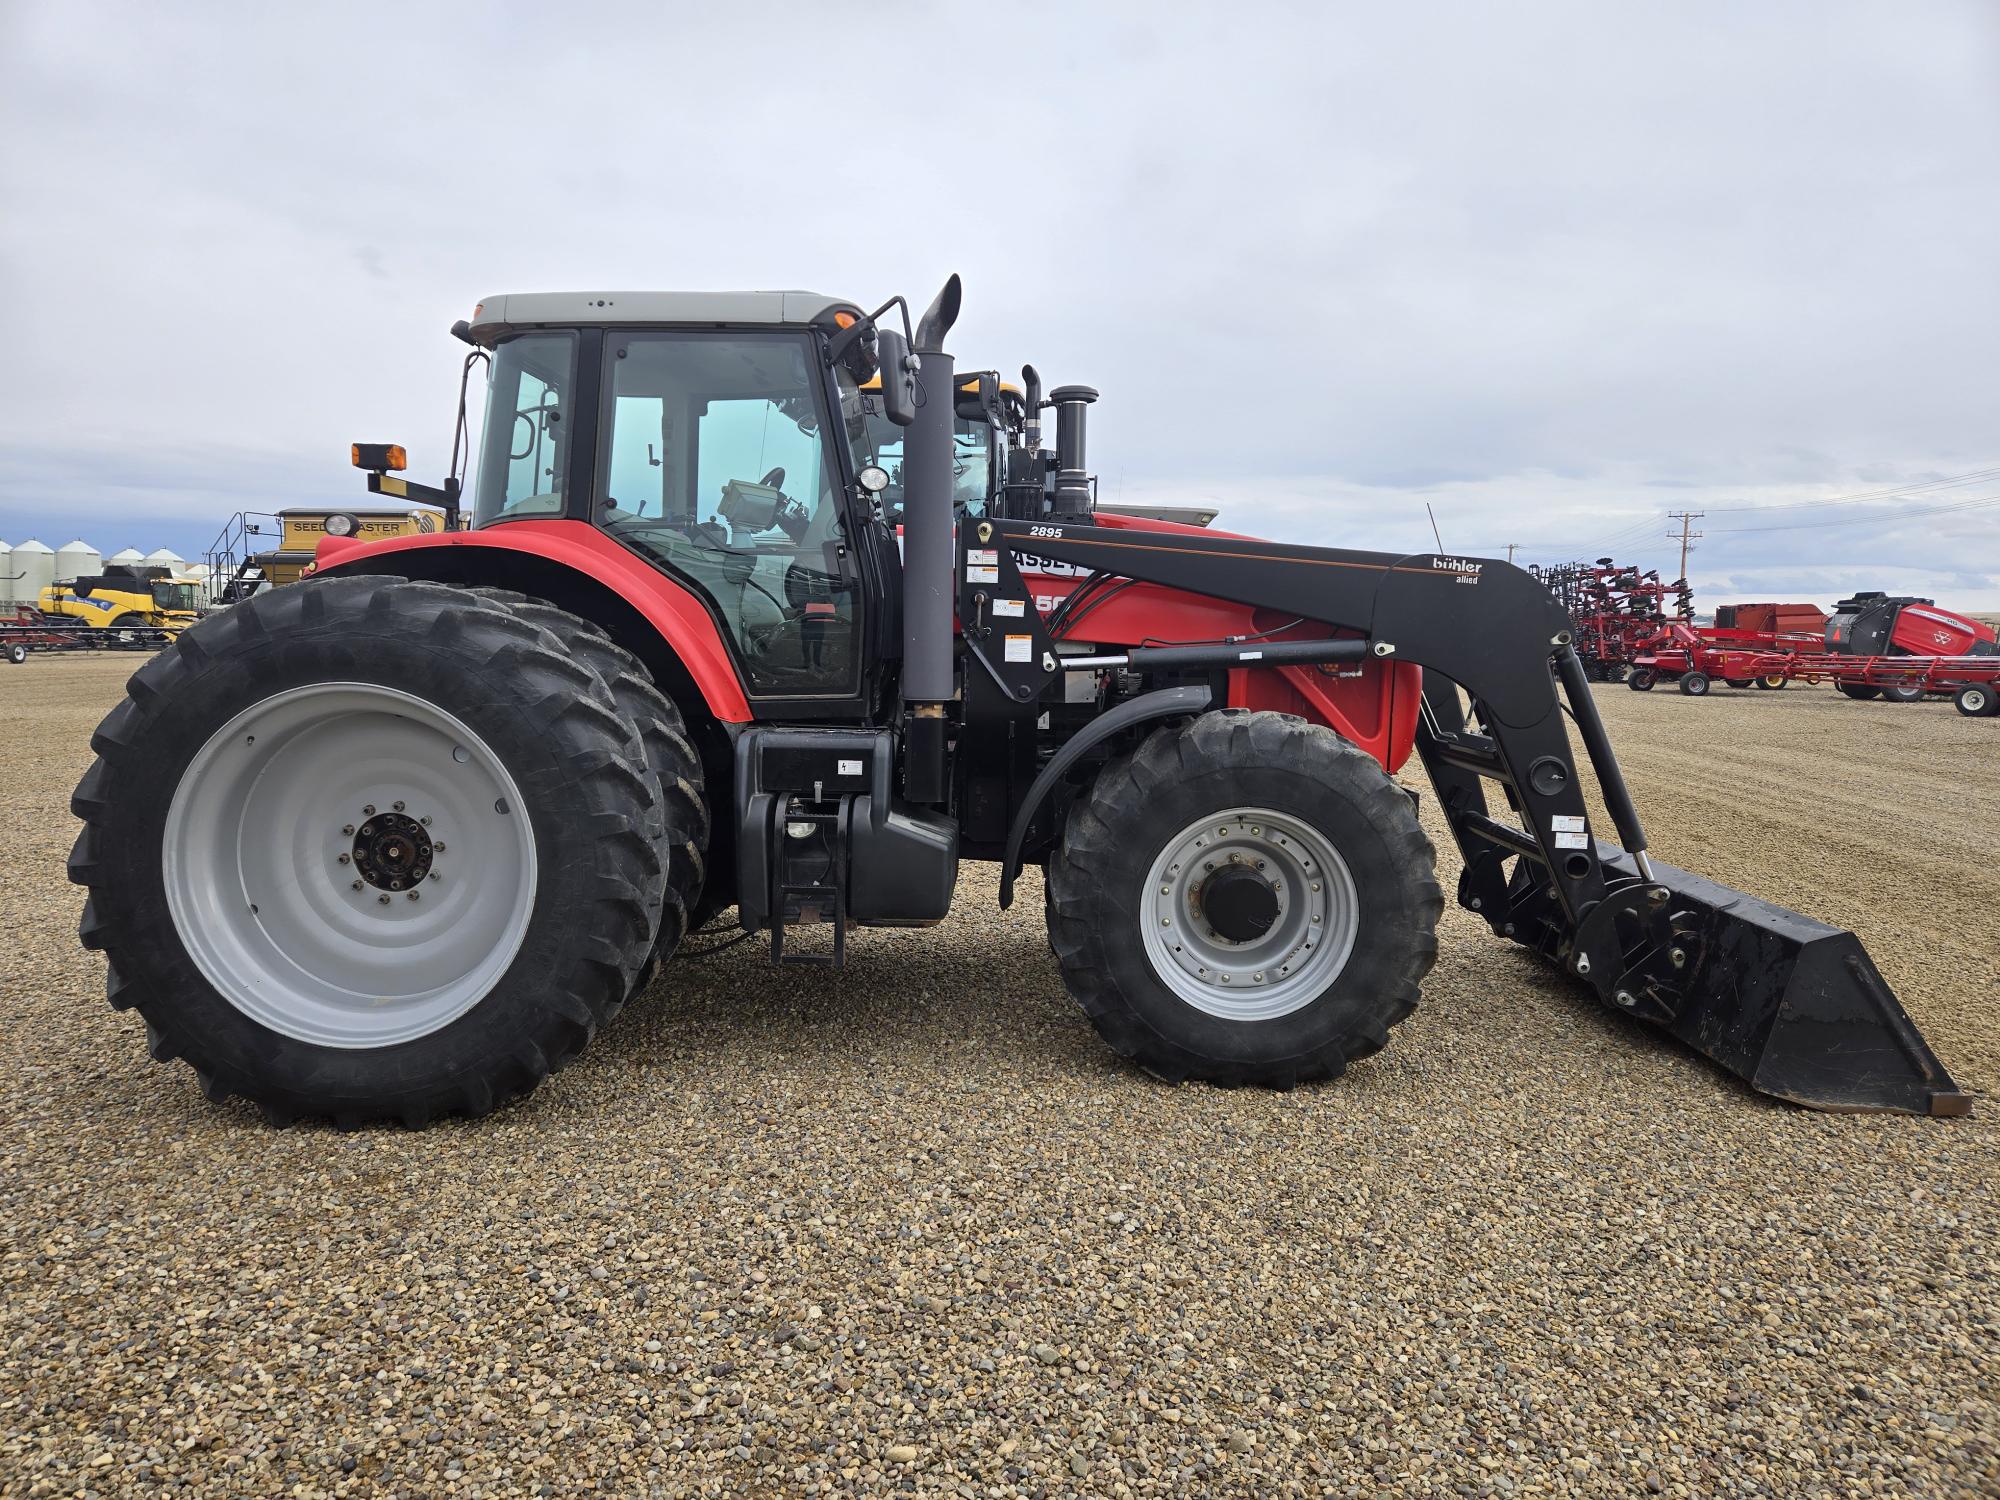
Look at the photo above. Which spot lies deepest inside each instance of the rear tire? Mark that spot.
(1903, 694)
(1351, 909)
(682, 827)
(1976, 700)
(1642, 679)
(1694, 684)
(17, 654)
(1737, 682)
(361, 1004)
(1860, 692)
(1771, 682)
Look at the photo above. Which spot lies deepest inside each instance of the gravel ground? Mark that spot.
(912, 1229)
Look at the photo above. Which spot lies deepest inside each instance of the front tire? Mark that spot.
(17, 653)
(1694, 684)
(1772, 682)
(1860, 692)
(1642, 679)
(267, 810)
(1248, 899)
(1903, 694)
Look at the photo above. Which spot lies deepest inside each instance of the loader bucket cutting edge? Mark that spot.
(1791, 1005)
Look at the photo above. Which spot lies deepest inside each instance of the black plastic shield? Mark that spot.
(1792, 1006)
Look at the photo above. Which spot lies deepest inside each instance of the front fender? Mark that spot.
(1165, 703)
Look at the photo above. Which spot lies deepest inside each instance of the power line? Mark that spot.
(1889, 519)
(1949, 481)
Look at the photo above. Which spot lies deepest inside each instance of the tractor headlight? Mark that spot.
(341, 525)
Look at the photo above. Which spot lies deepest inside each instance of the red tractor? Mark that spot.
(394, 842)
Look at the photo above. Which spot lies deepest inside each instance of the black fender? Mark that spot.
(1165, 703)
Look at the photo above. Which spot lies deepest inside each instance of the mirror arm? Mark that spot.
(854, 332)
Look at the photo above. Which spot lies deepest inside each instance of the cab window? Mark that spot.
(525, 450)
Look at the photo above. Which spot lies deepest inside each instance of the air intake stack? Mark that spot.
(1072, 491)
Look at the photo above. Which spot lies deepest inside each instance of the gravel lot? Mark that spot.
(911, 1228)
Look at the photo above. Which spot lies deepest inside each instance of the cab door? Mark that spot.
(719, 462)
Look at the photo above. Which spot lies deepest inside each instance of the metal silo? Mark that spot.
(35, 566)
(77, 559)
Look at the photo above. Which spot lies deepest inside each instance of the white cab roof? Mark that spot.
(495, 317)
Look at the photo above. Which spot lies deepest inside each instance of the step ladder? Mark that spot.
(809, 876)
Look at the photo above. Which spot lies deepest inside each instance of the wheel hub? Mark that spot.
(1239, 903)
(392, 852)
(1249, 914)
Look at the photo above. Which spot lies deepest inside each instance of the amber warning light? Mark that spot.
(379, 458)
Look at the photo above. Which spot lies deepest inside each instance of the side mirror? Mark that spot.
(899, 376)
(979, 398)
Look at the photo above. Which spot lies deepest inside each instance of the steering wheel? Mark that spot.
(775, 480)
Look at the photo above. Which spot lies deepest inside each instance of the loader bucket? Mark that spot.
(1790, 1005)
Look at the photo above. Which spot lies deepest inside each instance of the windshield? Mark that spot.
(877, 440)
(525, 448)
(174, 596)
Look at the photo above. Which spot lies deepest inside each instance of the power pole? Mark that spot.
(1510, 550)
(1687, 538)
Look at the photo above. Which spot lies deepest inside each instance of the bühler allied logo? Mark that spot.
(1462, 569)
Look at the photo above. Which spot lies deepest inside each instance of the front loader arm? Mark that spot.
(1794, 1007)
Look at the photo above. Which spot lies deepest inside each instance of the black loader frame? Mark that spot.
(1793, 1006)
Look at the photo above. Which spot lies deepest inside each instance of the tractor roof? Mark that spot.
(496, 317)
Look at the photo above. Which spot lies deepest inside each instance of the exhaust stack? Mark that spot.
(927, 553)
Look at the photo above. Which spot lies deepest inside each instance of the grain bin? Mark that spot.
(166, 557)
(36, 566)
(127, 557)
(78, 559)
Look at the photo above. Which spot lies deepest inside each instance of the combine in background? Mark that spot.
(125, 597)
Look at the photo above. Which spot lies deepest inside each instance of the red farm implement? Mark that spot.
(1696, 656)
(1615, 610)
(27, 629)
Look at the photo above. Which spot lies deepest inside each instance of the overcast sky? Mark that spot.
(1554, 270)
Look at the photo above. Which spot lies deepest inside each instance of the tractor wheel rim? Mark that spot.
(1309, 918)
(349, 865)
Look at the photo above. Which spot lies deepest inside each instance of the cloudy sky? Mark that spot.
(1554, 270)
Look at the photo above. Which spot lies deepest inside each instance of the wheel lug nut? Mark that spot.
(395, 806)
(368, 811)
(347, 828)
(415, 894)
(425, 821)
(434, 875)
(346, 859)
(439, 846)
(383, 900)
(357, 885)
